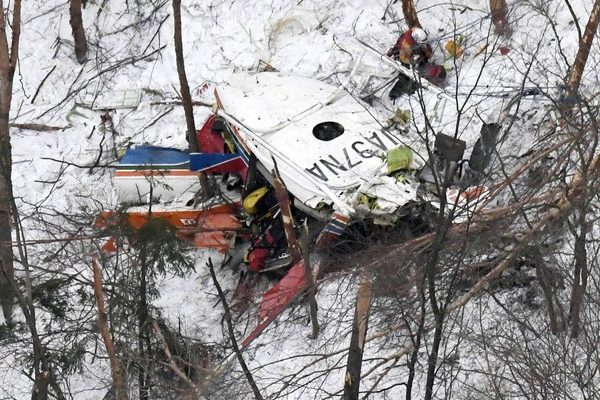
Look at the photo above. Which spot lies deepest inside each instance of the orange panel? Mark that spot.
(212, 240)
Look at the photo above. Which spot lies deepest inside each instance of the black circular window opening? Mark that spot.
(327, 131)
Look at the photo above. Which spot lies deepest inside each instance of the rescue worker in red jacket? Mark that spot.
(412, 48)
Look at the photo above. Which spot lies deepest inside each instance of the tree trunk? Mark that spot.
(410, 14)
(357, 342)
(289, 227)
(115, 364)
(8, 62)
(416, 342)
(311, 292)
(499, 11)
(439, 312)
(76, 22)
(580, 275)
(234, 342)
(40, 391)
(542, 275)
(186, 98)
(7, 273)
(142, 316)
(585, 44)
(298, 249)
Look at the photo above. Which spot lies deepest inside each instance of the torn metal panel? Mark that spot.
(326, 143)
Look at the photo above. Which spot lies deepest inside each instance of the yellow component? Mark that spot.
(400, 118)
(369, 201)
(253, 198)
(453, 48)
(229, 142)
(121, 152)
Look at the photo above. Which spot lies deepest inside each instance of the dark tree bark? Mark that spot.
(581, 272)
(143, 334)
(186, 98)
(574, 79)
(76, 22)
(410, 14)
(8, 63)
(311, 291)
(439, 315)
(438, 308)
(289, 227)
(299, 251)
(542, 275)
(357, 342)
(499, 11)
(414, 357)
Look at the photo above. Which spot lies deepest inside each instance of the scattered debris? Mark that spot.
(336, 163)
(117, 99)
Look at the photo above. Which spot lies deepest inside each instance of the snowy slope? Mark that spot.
(131, 47)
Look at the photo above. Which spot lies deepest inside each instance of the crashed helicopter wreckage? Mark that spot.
(333, 154)
(338, 163)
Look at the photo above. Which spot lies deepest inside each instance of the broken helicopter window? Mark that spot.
(327, 131)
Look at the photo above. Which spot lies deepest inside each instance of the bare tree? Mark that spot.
(574, 79)
(8, 62)
(357, 341)
(311, 290)
(298, 248)
(186, 98)
(115, 364)
(236, 348)
(410, 14)
(499, 11)
(76, 22)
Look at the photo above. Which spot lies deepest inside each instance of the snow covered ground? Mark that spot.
(131, 48)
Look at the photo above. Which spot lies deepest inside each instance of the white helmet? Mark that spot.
(420, 35)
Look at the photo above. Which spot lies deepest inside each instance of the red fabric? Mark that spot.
(406, 47)
(257, 258)
(405, 39)
(434, 73)
(210, 142)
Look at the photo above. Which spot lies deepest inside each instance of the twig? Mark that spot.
(37, 127)
(234, 343)
(555, 215)
(155, 120)
(119, 64)
(42, 84)
(173, 364)
(78, 165)
(575, 20)
(156, 33)
(179, 103)
(311, 292)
